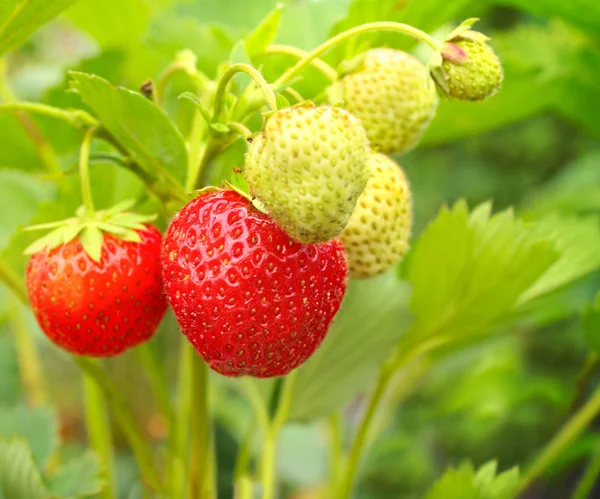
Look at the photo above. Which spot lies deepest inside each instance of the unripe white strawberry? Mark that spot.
(393, 95)
(377, 235)
(472, 70)
(308, 167)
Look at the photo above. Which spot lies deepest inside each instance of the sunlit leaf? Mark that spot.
(80, 477)
(264, 34)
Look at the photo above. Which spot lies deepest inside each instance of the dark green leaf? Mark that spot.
(265, 33)
(372, 319)
(20, 18)
(19, 476)
(10, 381)
(37, 426)
(590, 324)
(138, 125)
(80, 477)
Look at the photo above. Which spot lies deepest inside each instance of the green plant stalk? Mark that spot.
(43, 146)
(570, 431)
(590, 476)
(126, 420)
(319, 64)
(243, 488)
(158, 383)
(212, 148)
(336, 446)
(84, 173)
(244, 455)
(9, 277)
(269, 450)
(405, 29)
(30, 364)
(587, 371)
(199, 428)
(268, 93)
(99, 433)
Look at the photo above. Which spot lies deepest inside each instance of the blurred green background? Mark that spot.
(535, 147)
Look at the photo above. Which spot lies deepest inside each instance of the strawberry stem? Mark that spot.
(84, 173)
(258, 78)
(99, 433)
(405, 29)
(325, 69)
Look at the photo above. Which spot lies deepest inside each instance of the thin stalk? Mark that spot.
(126, 420)
(157, 379)
(336, 445)
(268, 93)
(84, 172)
(9, 277)
(570, 431)
(211, 150)
(99, 433)
(587, 371)
(76, 118)
(30, 364)
(183, 413)
(243, 488)
(319, 64)
(200, 79)
(269, 450)
(44, 147)
(589, 478)
(405, 29)
(244, 455)
(199, 428)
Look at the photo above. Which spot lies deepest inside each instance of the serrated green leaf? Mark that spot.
(92, 241)
(19, 476)
(199, 105)
(482, 265)
(139, 126)
(465, 483)
(264, 34)
(20, 18)
(372, 319)
(37, 426)
(80, 477)
(578, 241)
(590, 324)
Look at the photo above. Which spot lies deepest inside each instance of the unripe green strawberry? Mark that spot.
(393, 95)
(308, 167)
(376, 238)
(473, 71)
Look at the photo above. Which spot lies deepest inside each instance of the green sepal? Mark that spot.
(461, 28)
(351, 65)
(474, 36)
(239, 190)
(282, 102)
(114, 220)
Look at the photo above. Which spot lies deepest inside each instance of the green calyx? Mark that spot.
(90, 229)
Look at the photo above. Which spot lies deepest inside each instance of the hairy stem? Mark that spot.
(405, 29)
(570, 431)
(99, 433)
(84, 172)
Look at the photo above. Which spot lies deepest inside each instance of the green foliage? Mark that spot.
(465, 482)
(590, 323)
(372, 320)
(19, 477)
(37, 426)
(484, 263)
(264, 34)
(80, 477)
(138, 125)
(9, 370)
(20, 18)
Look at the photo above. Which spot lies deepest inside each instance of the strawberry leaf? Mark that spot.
(264, 34)
(19, 476)
(80, 477)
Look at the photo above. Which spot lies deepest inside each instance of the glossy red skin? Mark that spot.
(250, 299)
(98, 309)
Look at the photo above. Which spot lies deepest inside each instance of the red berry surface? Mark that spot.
(250, 299)
(100, 308)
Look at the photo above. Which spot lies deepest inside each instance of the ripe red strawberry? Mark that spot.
(249, 298)
(98, 308)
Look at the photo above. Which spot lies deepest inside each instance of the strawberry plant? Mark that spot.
(331, 249)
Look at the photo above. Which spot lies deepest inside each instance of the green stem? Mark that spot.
(590, 366)
(268, 93)
(570, 431)
(242, 461)
(243, 488)
(76, 118)
(405, 29)
(186, 64)
(158, 382)
(30, 364)
(44, 148)
(179, 476)
(9, 277)
(322, 66)
(99, 433)
(269, 450)
(257, 403)
(337, 450)
(590, 476)
(126, 420)
(200, 428)
(84, 172)
(211, 150)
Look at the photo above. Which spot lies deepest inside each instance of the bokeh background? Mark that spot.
(535, 147)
